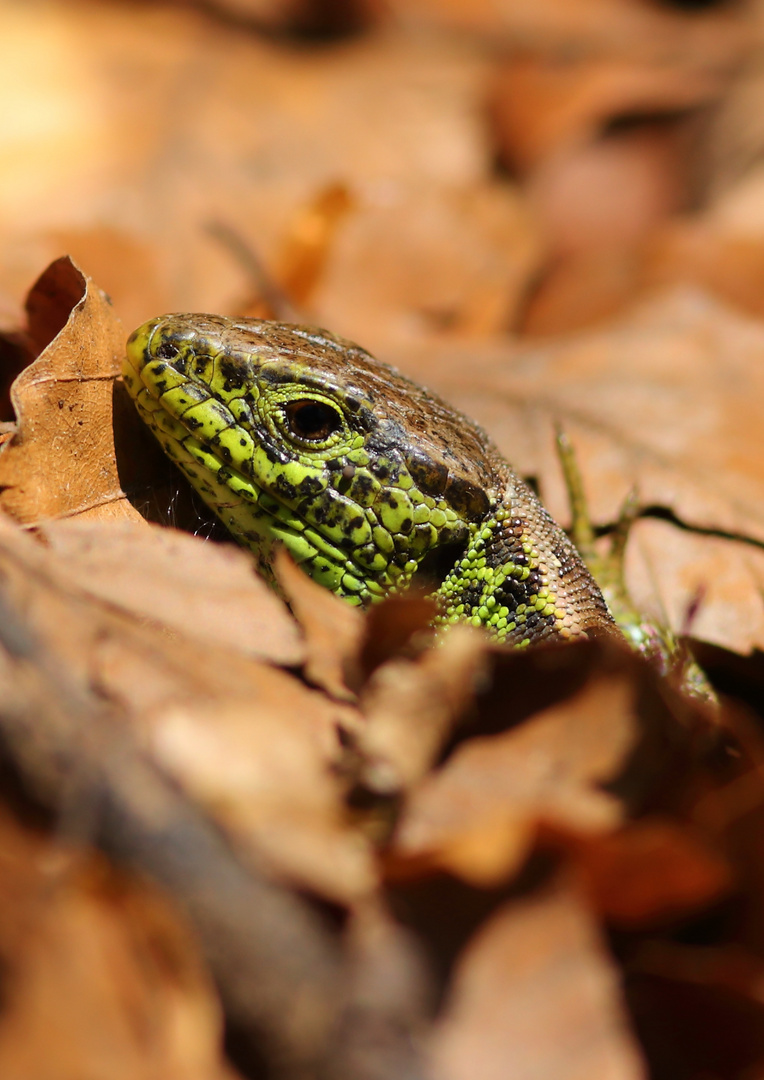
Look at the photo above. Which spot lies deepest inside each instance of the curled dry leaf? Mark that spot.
(77, 447)
(60, 461)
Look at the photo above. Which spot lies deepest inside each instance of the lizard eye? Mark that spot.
(311, 420)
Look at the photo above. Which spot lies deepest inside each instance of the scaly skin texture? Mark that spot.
(295, 436)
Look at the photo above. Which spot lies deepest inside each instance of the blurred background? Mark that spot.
(401, 169)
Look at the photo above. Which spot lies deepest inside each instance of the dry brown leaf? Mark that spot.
(651, 870)
(698, 1000)
(626, 28)
(479, 815)
(250, 742)
(260, 769)
(298, 17)
(143, 156)
(205, 591)
(415, 262)
(583, 289)
(544, 105)
(535, 996)
(402, 626)
(332, 628)
(77, 448)
(726, 261)
(709, 586)
(412, 705)
(60, 462)
(612, 192)
(102, 976)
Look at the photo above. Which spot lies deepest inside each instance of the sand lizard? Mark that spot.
(372, 483)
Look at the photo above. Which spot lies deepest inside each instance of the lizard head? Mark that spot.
(293, 435)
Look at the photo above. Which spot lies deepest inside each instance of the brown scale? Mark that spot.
(568, 580)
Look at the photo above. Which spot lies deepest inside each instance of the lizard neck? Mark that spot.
(521, 577)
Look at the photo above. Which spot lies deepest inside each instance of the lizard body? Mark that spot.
(292, 435)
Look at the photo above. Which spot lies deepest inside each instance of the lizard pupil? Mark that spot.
(311, 420)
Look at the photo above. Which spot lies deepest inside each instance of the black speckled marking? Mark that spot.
(236, 373)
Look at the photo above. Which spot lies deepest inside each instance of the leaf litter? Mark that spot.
(376, 856)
